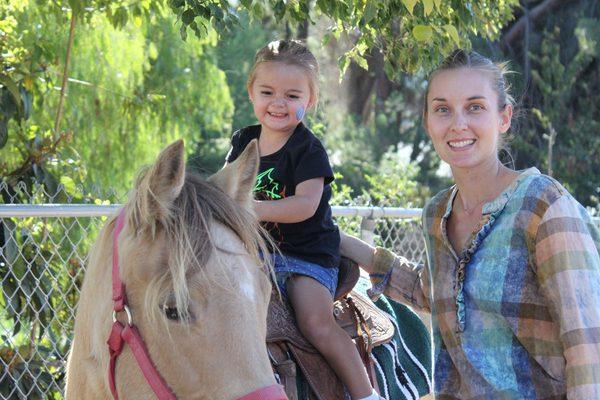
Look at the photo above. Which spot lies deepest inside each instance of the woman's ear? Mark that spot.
(506, 118)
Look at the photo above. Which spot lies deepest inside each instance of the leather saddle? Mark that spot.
(289, 350)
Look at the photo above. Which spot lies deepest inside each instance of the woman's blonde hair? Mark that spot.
(290, 52)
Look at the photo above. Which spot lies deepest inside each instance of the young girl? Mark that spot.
(292, 198)
(512, 278)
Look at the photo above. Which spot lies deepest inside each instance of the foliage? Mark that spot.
(393, 184)
(161, 88)
(563, 110)
(39, 259)
(133, 86)
(561, 137)
(234, 56)
(132, 90)
(410, 33)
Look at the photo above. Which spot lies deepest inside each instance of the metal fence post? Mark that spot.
(367, 229)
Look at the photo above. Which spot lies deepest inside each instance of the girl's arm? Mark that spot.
(568, 271)
(296, 208)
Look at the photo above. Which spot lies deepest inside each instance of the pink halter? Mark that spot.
(129, 334)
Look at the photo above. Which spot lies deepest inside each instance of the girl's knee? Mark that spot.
(315, 326)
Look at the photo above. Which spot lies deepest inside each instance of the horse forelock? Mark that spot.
(189, 244)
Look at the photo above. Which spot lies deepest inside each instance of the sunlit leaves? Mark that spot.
(422, 33)
(410, 5)
(428, 6)
(411, 34)
(451, 30)
(133, 86)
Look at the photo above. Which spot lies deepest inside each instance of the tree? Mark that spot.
(132, 88)
(557, 58)
(410, 34)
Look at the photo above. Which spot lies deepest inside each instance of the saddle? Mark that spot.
(289, 350)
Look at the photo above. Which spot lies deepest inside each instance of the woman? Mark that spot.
(512, 279)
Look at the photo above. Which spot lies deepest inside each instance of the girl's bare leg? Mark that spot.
(313, 307)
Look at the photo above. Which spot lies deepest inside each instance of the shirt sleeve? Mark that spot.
(399, 279)
(313, 163)
(568, 268)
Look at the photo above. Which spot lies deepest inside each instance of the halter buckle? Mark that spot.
(127, 311)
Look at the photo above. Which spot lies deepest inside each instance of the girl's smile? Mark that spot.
(280, 94)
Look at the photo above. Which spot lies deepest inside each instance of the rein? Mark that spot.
(128, 333)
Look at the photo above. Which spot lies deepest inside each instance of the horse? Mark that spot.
(180, 266)
(180, 271)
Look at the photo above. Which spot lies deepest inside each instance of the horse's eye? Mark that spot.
(171, 313)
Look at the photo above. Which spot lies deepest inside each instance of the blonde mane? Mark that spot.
(186, 226)
(183, 241)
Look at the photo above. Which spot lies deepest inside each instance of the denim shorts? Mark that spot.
(285, 267)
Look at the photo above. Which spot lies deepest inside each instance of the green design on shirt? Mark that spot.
(266, 185)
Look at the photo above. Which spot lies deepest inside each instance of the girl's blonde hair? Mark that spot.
(291, 52)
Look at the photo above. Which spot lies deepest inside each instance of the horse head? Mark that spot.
(189, 257)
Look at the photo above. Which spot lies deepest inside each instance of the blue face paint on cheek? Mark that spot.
(299, 113)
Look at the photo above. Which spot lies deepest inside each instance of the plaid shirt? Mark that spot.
(517, 314)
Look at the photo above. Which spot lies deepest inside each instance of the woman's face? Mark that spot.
(464, 119)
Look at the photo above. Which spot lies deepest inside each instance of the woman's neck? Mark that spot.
(479, 185)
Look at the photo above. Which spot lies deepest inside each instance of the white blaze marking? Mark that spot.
(246, 282)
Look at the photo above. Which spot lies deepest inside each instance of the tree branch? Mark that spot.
(534, 15)
(65, 78)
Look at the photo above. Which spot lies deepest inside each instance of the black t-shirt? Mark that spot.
(303, 157)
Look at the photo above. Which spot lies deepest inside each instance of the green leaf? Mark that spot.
(370, 10)
(279, 9)
(410, 5)
(361, 61)
(13, 89)
(438, 3)
(451, 30)
(428, 4)
(177, 3)
(422, 33)
(343, 63)
(11, 247)
(68, 184)
(188, 16)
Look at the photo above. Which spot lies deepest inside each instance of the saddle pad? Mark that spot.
(281, 324)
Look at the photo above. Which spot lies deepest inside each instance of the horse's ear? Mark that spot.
(237, 178)
(162, 183)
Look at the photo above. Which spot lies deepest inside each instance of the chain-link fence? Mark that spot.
(43, 253)
(44, 241)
